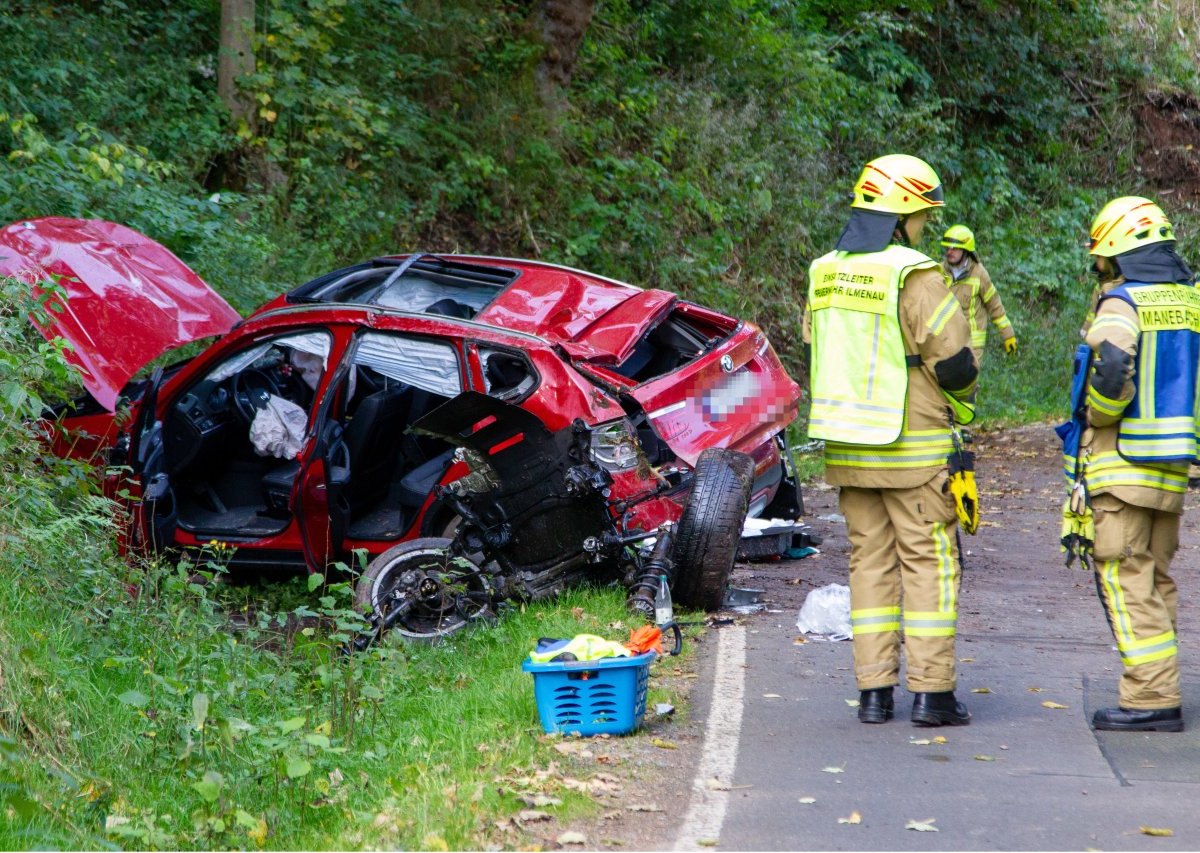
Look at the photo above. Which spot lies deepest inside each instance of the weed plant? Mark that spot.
(162, 711)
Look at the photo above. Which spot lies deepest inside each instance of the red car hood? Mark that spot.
(565, 309)
(128, 298)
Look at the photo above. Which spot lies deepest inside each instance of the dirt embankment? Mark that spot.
(1169, 144)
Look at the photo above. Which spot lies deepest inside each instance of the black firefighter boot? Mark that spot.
(939, 709)
(1133, 720)
(875, 706)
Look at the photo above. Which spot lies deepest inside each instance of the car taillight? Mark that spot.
(614, 446)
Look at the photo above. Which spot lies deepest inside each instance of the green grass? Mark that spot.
(135, 716)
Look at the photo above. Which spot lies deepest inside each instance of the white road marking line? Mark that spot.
(718, 757)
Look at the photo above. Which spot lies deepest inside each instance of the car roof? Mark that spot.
(553, 302)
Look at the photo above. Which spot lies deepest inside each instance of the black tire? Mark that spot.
(433, 617)
(708, 533)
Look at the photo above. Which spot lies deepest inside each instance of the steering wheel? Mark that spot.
(252, 388)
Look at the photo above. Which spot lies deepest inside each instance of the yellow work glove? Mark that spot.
(963, 489)
(966, 500)
(1010, 346)
(1078, 532)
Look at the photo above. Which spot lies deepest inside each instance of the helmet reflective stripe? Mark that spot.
(959, 237)
(898, 183)
(1128, 223)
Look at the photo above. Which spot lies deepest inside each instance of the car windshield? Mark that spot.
(314, 343)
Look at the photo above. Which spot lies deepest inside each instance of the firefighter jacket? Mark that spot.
(1141, 396)
(890, 353)
(979, 300)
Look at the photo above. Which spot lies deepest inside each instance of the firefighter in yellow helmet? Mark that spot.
(1142, 433)
(890, 360)
(970, 282)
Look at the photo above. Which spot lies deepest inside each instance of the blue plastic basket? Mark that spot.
(594, 697)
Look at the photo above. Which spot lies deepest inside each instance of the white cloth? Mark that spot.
(278, 429)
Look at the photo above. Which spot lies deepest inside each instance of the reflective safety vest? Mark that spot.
(972, 308)
(1160, 423)
(858, 373)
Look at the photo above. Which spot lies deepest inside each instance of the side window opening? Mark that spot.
(389, 472)
(507, 375)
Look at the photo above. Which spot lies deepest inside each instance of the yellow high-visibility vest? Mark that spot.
(859, 378)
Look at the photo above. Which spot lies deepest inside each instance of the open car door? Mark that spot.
(156, 516)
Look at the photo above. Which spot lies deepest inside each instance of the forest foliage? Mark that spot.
(706, 148)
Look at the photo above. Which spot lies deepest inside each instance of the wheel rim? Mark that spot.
(440, 587)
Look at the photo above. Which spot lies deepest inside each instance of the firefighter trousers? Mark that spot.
(903, 547)
(1133, 551)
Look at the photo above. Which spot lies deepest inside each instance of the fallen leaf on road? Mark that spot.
(644, 807)
(715, 784)
(531, 815)
(833, 769)
(772, 696)
(799, 641)
(922, 825)
(573, 747)
(808, 801)
(981, 690)
(662, 744)
(855, 817)
(707, 842)
(1161, 832)
(572, 838)
(1034, 689)
(984, 758)
(924, 741)
(853, 703)
(539, 800)
(966, 660)
(940, 739)
(1054, 706)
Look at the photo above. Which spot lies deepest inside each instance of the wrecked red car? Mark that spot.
(289, 435)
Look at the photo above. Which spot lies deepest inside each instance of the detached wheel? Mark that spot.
(439, 593)
(708, 533)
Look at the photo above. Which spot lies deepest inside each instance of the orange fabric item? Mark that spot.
(645, 639)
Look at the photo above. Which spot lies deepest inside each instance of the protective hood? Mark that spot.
(1155, 263)
(867, 231)
(128, 298)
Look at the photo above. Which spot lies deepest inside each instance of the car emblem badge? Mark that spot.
(727, 363)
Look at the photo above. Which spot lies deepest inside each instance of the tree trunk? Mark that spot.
(561, 25)
(236, 56)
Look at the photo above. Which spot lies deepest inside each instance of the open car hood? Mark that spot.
(128, 298)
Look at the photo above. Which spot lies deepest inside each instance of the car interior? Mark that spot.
(224, 482)
(668, 346)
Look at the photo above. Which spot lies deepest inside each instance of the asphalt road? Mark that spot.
(1022, 776)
